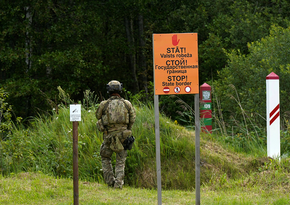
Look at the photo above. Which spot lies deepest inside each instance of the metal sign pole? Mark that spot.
(75, 163)
(197, 150)
(157, 139)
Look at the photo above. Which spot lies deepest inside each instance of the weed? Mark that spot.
(46, 146)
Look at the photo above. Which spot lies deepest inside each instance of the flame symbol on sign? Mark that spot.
(174, 40)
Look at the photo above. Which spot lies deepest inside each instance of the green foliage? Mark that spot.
(224, 24)
(285, 140)
(6, 124)
(245, 77)
(83, 45)
(46, 146)
(50, 45)
(172, 106)
(174, 148)
(179, 108)
(141, 97)
(80, 46)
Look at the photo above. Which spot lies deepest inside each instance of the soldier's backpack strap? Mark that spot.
(106, 106)
(127, 106)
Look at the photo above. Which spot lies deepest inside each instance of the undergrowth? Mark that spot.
(46, 146)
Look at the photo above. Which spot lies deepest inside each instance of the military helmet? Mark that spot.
(114, 86)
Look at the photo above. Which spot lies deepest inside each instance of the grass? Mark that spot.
(38, 189)
(36, 164)
(46, 146)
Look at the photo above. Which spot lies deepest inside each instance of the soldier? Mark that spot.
(116, 117)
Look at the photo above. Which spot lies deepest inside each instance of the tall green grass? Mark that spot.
(46, 146)
(239, 131)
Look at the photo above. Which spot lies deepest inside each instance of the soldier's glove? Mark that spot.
(128, 143)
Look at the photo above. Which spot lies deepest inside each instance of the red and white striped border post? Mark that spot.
(273, 115)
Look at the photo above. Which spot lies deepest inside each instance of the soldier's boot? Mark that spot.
(118, 185)
(112, 183)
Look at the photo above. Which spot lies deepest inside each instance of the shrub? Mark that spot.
(245, 77)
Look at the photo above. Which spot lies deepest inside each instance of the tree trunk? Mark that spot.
(28, 53)
(143, 66)
(132, 54)
(28, 49)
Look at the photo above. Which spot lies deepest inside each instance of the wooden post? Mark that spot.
(75, 117)
(75, 163)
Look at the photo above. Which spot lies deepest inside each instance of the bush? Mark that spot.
(243, 80)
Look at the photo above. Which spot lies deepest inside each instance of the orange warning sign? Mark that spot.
(175, 63)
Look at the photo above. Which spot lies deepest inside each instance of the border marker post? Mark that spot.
(206, 108)
(273, 115)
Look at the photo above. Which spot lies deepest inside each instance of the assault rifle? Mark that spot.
(128, 143)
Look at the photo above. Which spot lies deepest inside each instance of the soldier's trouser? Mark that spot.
(106, 154)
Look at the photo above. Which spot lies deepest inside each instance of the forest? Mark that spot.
(82, 45)
(57, 52)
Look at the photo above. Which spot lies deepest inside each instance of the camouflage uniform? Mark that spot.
(116, 117)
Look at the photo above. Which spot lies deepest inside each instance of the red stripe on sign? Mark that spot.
(207, 129)
(274, 110)
(206, 114)
(275, 117)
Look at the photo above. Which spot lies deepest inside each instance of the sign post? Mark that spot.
(206, 110)
(175, 65)
(197, 151)
(273, 115)
(157, 144)
(75, 116)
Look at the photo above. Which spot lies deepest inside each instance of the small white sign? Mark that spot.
(75, 112)
(206, 106)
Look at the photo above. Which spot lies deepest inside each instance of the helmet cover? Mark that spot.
(114, 86)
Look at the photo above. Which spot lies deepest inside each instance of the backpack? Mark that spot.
(115, 112)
